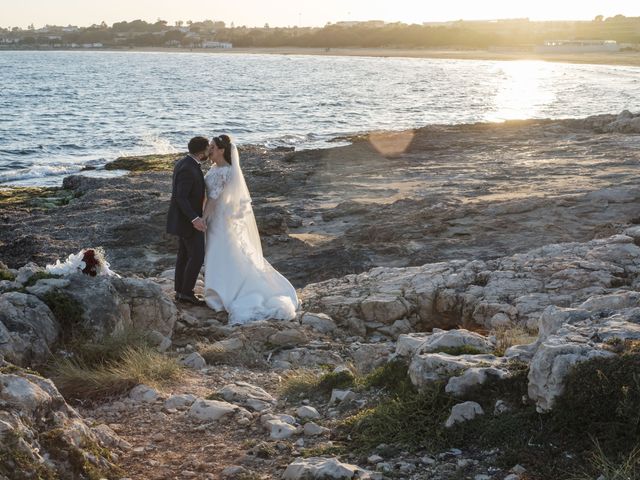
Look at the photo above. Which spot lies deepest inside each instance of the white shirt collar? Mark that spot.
(197, 161)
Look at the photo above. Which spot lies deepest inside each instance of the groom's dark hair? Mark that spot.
(198, 144)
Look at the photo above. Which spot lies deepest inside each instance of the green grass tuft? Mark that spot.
(393, 377)
(329, 381)
(602, 400)
(412, 419)
(309, 384)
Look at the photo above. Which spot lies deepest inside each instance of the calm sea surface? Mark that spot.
(61, 111)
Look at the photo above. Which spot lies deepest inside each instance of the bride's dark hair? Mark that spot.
(224, 142)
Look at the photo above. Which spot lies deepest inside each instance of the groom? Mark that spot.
(185, 219)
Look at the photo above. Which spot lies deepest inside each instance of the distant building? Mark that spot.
(578, 46)
(368, 23)
(211, 44)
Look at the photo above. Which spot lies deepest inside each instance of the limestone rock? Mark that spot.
(211, 410)
(179, 401)
(109, 438)
(37, 424)
(368, 356)
(340, 396)
(440, 340)
(460, 385)
(279, 428)
(571, 336)
(20, 392)
(144, 394)
(28, 271)
(551, 364)
(505, 291)
(27, 328)
(312, 429)
(407, 345)
(247, 395)
(384, 308)
(317, 468)
(320, 322)
(307, 412)
(194, 361)
(463, 412)
(309, 357)
(46, 285)
(430, 367)
(112, 304)
(235, 471)
(147, 306)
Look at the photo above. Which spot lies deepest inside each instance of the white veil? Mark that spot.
(235, 201)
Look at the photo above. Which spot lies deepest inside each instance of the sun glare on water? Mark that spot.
(522, 90)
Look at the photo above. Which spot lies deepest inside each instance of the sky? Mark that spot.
(302, 12)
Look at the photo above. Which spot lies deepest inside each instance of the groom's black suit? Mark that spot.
(187, 196)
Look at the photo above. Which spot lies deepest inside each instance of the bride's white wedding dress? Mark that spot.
(237, 278)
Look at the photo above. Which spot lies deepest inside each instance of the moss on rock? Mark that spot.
(144, 163)
(35, 198)
(67, 311)
(7, 275)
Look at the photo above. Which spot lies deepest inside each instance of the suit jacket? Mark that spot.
(187, 195)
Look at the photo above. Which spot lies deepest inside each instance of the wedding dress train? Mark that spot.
(237, 277)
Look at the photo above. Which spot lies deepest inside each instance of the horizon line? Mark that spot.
(172, 23)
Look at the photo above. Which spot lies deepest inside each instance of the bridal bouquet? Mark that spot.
(90, 261)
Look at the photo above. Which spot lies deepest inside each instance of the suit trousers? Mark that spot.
(189, 262)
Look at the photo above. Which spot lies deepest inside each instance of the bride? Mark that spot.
(237, 278)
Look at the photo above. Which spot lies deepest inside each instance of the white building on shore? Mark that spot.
(578, 46)
(212, 44)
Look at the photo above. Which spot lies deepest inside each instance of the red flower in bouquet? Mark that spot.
(91, 262)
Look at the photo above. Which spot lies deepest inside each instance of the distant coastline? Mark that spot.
(627, 58)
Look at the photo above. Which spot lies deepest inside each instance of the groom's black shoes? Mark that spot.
(181, 297)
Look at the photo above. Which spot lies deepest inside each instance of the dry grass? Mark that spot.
(625, 468)
(512, 335)
(216, 354)
(76, 378)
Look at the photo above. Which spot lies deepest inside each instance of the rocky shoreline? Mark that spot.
(470, 309)
(391, 199)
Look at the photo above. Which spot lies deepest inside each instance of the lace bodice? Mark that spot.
(215, 179)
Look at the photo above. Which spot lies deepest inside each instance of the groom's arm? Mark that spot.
(184, 184)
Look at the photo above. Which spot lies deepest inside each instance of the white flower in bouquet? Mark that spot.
(90, 261)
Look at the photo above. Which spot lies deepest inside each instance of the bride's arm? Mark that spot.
(207, 211)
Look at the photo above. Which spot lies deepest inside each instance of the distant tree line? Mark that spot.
(462, 34)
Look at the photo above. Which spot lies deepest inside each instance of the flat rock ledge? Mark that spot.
(473, 293)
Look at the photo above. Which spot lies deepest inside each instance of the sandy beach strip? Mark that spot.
(626, 58)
